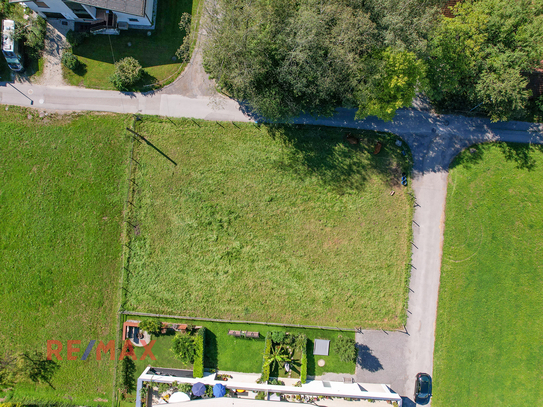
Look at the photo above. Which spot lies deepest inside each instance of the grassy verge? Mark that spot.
(284, 224)
(99, 52)
(61, 201)
(489, 325)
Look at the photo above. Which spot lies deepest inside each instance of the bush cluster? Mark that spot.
(152, 326)
(345, 347)
(302, 342)
(184, 347)
(266, 366)
(198, 365)
(69, 60)
(76, 38)
(128, 71)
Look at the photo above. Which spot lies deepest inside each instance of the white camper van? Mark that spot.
(10, 47)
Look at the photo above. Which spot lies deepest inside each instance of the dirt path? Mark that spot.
(55, 43)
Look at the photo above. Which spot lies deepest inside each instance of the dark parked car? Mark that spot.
(423, 388)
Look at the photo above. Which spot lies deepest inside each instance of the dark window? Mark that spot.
(41, 4)
(78, 9)
(53, 15)
(133, 19)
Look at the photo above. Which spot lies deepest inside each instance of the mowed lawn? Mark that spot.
(98, 53)
(489, 350)
(64, 180)
(290, 225)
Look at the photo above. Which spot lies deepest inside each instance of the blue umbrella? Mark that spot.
(198, 389)
(219, 390)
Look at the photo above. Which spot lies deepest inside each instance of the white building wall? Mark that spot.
(132, 19)
(55, 6)
(58, 6)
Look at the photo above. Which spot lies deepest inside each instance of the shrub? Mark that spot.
(198, 367)
(278, 336)
(151, 325)
(209, 391)
(345, 347)
(76, 38)
(185, 388)
(69, 60)
(184, 347)
(261, 395)
(163, 387)
(127, 72)
(266, 366)
(301, 343)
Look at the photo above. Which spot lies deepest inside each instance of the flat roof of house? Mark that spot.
(135, 7)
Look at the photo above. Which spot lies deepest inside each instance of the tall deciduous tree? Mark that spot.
(480, 56)
(287, 57)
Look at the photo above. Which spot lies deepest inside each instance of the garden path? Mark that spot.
(55, 43)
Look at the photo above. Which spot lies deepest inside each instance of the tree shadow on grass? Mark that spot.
(325, 152)
(211, 354)
(80, 69)
(520, 153)
(367, 360)
(310, 358)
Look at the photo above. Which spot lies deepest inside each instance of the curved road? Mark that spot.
(385, 357)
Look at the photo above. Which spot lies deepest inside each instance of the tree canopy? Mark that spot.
(482, 55)
(287, 57)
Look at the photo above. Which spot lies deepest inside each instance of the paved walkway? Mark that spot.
(385, 357)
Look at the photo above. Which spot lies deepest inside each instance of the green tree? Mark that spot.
(152, 326)
(389, 83)
(127, 72)
(184, 347)
(479, 58)
(69, 60)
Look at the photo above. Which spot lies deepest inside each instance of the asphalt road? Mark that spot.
(393, 358)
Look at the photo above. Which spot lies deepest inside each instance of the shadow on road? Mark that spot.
(366, 359)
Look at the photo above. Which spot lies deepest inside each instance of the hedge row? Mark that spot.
(198, 365)
(266, 366)
(303, 365)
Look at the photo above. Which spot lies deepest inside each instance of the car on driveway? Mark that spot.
(423, 388)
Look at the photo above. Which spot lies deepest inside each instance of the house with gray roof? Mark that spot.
(96, 16)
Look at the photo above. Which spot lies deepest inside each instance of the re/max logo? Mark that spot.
(54, 347)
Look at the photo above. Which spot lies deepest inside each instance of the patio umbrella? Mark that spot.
(198, 389)
(219, 390)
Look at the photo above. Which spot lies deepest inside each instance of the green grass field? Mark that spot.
(61, 203)
(488, 348)
(99, 52)
(286, 225)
